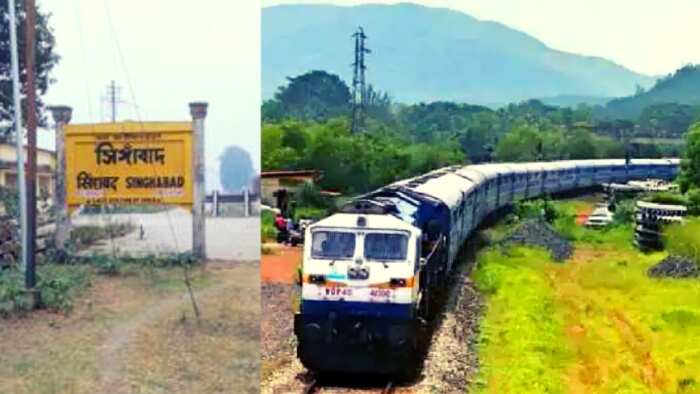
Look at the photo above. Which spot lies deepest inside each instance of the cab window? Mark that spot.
(386, 247)
(332, 245)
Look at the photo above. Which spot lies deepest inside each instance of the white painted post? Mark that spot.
(215, 203)
(61, 117)
(198, 110)
(246, 201)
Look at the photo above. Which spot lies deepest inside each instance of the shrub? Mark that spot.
(624, 212)
(87, 235)
(684, 239)
(108, 265)
(694, 202)
(536, 209)
(59, 285)
(310, 195)
(11, 290)
(267, 228)
(666, 198)
(310, 213)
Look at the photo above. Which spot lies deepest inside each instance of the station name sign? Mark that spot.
(129, 163)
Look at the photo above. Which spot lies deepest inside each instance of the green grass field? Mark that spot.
(594, 324)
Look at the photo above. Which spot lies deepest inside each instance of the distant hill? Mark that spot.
(681, 87)
(426, 54)
(574, 100)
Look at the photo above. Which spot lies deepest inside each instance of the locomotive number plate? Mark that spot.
(337, 291)
(380, 293)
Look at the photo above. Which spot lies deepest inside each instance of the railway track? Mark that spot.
(315, 387)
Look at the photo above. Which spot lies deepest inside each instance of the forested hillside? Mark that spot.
(681, 88)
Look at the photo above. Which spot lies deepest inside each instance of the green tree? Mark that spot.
(46, 59)
(235, 169)
(690, 166)
(580, 144)
(276, 155)
(316, 95)
(523, 143)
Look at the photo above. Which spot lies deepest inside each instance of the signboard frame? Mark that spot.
(129, 163)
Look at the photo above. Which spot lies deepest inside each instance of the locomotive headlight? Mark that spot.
(364, 273)
(397, 282)
(317, 279)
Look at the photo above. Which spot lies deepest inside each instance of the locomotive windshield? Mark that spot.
(332, 245)
(386, 247)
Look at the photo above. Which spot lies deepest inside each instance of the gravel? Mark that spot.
(539, 233)
(674, 267)
(277, 325)
(452, 363)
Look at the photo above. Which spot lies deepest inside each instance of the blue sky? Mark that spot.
(649, 36)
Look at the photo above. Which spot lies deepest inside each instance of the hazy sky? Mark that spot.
(649, 36)
(175, 51)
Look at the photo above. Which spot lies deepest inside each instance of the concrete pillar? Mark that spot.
(61, 117)
(198, 110)
(215, 203)
(246, 201)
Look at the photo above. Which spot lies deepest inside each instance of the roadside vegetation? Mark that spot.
(594, 323)
(684, 240)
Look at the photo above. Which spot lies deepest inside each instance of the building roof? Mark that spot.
(291, 173)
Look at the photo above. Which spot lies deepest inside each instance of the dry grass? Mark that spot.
(219, 354)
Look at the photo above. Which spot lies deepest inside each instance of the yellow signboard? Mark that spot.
(129, 163)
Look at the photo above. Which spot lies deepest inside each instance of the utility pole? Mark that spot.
(359, 90)
(29, 55)
(19, 135)
(112, 99)
(198, 110)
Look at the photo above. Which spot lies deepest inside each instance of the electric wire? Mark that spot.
(132, 93)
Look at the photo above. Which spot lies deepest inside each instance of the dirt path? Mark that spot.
(281, 265)
(110, 360)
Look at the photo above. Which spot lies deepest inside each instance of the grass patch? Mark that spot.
(595, 324)
(522, 345)
(619, 235)
(684, 239)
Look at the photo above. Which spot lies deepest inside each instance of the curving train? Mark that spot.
(370, 271)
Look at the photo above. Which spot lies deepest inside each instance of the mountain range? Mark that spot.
(424, 54)
(682, 87)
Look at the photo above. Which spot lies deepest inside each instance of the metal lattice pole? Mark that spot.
(359, 89)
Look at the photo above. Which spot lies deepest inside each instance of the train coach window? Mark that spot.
(385, 247)
(332, 245)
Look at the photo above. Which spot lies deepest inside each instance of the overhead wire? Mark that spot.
(137, 108)
(102, 217)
